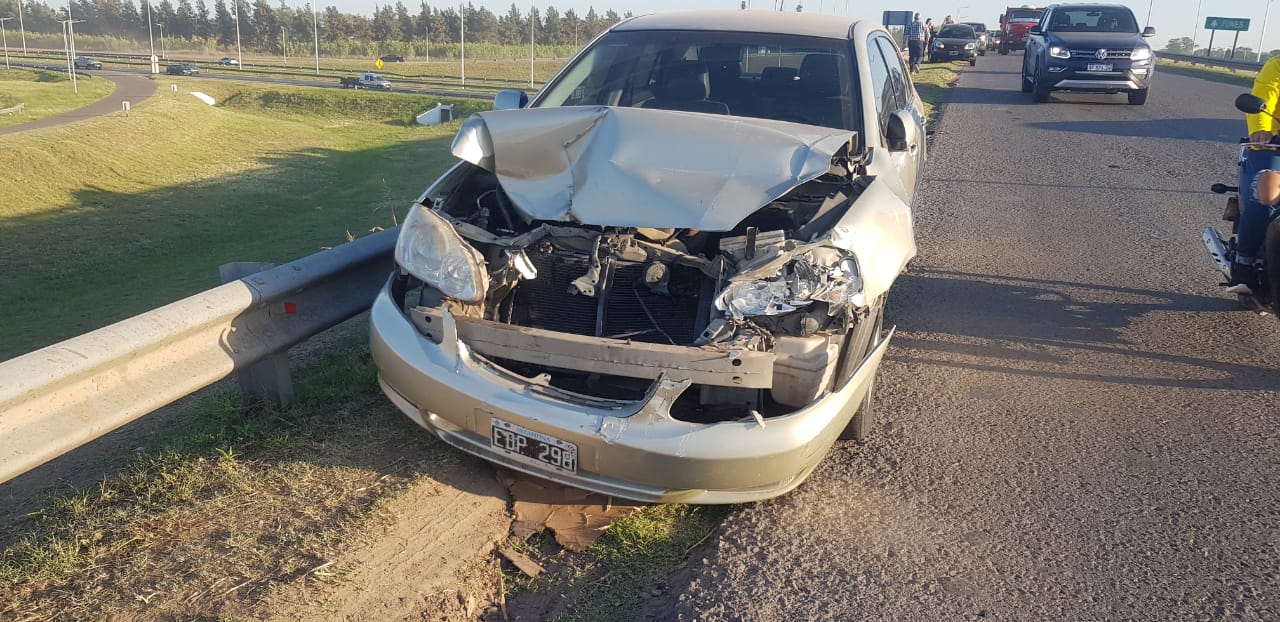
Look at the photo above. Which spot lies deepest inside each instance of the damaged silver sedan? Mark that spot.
(663, 278)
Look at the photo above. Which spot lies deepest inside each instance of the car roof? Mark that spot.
(1087, 5)
(806, 24)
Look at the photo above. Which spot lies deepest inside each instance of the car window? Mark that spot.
(898, 81)
(762, 75)
(1025, 16)
(881, 86)
(956, 31)
(1092, 19)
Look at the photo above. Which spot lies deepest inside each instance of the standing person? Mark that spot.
(915, 36)
(948, 20)
(929, 32)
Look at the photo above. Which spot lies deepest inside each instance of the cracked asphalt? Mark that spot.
(1073, 422)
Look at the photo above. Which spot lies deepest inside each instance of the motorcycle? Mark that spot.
(1263, 294)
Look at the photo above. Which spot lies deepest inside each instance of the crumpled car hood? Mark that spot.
(633, 167)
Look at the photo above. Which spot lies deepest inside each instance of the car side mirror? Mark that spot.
(901, 132)
(1249, 103)
(1036, 31)
(510, 99)
(1149, 31)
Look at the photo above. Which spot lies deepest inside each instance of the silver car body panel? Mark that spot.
(634, 167)
(634, 450)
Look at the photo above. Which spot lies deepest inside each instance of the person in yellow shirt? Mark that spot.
(1259, 182)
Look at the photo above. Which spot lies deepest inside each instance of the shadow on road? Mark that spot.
(1227, 130)
(1001, 97)
(1061, 330)
(1067, 187)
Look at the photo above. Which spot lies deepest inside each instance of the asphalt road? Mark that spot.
(1074, 423)
(129, 87)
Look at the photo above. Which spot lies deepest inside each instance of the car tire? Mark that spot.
(863, 338)
(1004, 50)
(1026, 81)
(973, 62)
(1040, 90)
(1138, 98)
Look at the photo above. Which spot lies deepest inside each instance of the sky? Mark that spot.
(1171, 18)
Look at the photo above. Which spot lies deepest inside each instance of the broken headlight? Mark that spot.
(796, 285)
(431, 249)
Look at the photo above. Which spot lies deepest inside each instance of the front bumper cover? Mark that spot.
(634, 450)
(1074, 75)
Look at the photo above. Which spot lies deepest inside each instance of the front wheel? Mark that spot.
(1041, 89)
(1004, 50)
(1138, 98)
(973, 62)
(863, 339)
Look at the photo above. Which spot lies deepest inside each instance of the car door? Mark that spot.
(894, 95)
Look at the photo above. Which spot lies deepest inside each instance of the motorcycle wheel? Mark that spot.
(1272, 267)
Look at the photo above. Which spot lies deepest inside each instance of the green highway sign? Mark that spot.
(1226, 23)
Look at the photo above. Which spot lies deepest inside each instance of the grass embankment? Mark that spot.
(153, 203)
(219, 510)
(219, 507)
(45, 94)
(932, 82)
(1238, 77)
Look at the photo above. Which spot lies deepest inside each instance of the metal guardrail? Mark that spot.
(13, 109)
(1211, 62)
(60, 397)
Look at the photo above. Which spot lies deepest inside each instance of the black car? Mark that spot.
(87, 62)
(1093, 48)
(393, 58)
(984, 37)
(182, 69)
(955, 42)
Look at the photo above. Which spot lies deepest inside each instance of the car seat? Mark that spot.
(684, 87)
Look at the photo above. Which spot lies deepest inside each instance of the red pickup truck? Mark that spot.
(1014, 25)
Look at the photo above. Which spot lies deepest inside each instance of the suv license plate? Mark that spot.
(529, 446)
(1099, 67)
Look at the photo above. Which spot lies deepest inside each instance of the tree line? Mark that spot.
(267, 28)
(1187, 45)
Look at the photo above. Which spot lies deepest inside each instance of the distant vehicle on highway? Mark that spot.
(366, 81)
(393, 58)
(182, 69)
(984, 37)
(955, 42)
(227, 60)
(1014, 25)
(1094, 48)
(87, 62)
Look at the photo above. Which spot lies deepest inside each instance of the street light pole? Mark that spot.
(5, 39)
(284, 46)
(1150, 3)
(315, 31)
(239, 58)
(1195, 27)
(164, 53)
(151, 36)
(462, 25)
(1263, 39)
(532, 54)
(22, 28)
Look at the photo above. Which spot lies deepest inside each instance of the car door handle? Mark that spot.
(913, 147)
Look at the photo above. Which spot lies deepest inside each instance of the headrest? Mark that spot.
(686, 81)
(820, 74)
(774, 76)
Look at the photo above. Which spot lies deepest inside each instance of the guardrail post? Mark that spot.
(267, 380)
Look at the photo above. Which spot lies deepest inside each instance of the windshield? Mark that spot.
(1093, 19)
(955, 32)
(1025, 16)
(977, 27)
(767, 76)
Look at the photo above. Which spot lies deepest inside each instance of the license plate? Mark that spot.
(1099, 67)
(529, 446)
(953, 53)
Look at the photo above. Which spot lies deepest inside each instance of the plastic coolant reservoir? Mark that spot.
(803, 368)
